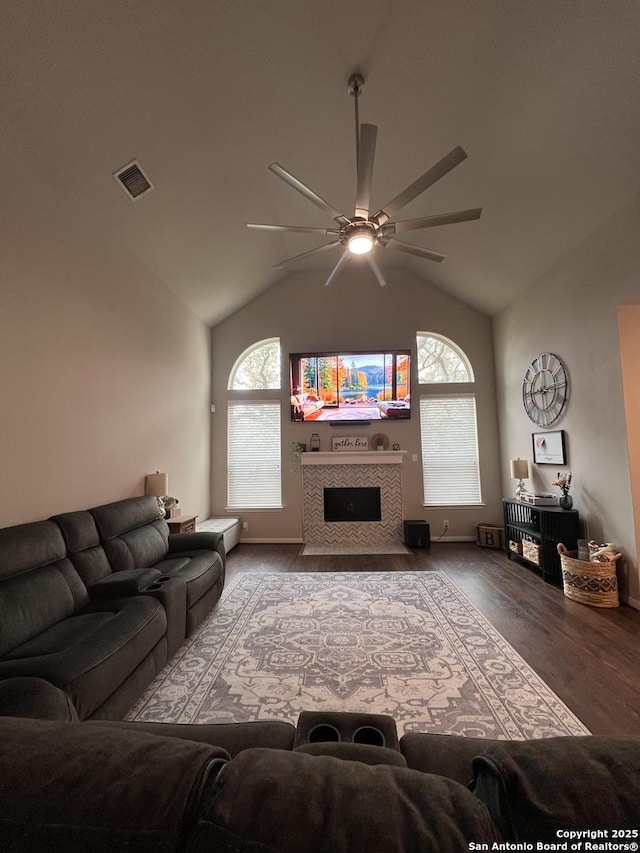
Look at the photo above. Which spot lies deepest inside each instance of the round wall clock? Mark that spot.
(545, 389)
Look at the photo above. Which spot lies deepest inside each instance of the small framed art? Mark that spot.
(549, 448)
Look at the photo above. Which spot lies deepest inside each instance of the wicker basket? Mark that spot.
(595, 584)
(515, 546)
(531, 551)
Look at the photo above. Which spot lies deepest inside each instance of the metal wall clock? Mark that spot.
(545, 389)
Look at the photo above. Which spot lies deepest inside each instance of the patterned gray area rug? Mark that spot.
(407, 644)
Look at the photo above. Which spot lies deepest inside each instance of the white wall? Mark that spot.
(354, 313)
(572, 312)
(104, 373)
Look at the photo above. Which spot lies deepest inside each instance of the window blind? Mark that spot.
(450, 466)
(254, 463)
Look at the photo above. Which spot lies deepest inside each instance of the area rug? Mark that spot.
(408, 644)
(352, 550)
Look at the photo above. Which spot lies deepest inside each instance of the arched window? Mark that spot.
(448, 423)
(257, 368)
(254, 452)
(440, 360)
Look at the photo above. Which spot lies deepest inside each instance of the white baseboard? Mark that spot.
(455, 539)
(296, 541)
(633, 602)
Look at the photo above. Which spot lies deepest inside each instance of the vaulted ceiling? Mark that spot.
(543, 96)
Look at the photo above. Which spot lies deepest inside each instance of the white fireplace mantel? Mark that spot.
(356, 457)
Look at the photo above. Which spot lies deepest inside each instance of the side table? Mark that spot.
(182, 523)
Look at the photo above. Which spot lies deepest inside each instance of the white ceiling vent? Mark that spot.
(133, 180)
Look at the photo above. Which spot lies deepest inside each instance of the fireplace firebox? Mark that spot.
(352, 504)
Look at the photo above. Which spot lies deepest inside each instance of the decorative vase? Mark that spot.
(566, 501)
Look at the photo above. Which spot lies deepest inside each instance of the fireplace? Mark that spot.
(352, 504)
(346, 476)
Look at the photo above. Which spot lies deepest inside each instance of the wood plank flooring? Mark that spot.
(590, 657)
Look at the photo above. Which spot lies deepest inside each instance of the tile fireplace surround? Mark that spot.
(343, 469)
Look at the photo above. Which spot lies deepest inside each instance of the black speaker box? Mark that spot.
(416, 534)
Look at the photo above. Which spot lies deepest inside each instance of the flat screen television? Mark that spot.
(350, 386)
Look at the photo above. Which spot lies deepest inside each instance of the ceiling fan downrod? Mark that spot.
(356, 85)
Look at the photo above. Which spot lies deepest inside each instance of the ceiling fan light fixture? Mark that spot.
(360, 244)
(363, 232)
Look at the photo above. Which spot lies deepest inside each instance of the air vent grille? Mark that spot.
(133, 180)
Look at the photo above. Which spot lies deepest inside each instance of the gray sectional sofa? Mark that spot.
(95, 602)
(275, 788)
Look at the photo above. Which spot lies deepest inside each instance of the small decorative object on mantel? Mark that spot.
(297, 447)
(563, 482)
(350, 442)
(314, 442)
(379, 441)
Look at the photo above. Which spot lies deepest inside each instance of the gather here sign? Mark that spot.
(350, 442)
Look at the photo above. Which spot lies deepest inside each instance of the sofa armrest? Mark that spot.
(204, 541)
(35, 698)
(128, 582)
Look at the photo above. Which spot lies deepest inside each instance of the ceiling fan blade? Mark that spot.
(307, 254)
(414, 250)
(302, 229)
(344, 259)
(448, 162)
(366, 157)
(308, 193)
(376, 270)
(432, 221)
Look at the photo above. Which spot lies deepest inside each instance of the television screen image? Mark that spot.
(350, 386)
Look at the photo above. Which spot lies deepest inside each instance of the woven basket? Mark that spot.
(595, 584)
(531, 551)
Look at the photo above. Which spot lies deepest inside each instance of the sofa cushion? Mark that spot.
(535, 788)
(83, 545)
(35, 697)
(128, 582)
(38, 584)
(132, 533)
(234, 737)
(74, 787)
(355, 752)
(270, 800)
(199, 569)
(446, 755)
(90, 654)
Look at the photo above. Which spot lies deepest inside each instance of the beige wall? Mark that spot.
(355, 313)
(104, 374)
(572, 311)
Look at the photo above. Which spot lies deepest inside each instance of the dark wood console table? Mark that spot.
(537, 530)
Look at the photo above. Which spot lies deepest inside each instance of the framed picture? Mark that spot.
(549, 448)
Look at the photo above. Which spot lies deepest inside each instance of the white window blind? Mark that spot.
(253, 455)
(449, 435)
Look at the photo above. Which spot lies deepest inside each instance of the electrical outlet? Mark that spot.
(445, 525)
(245, 525)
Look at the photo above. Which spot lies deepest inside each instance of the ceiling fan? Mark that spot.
(362, 232)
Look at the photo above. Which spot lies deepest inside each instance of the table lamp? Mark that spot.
(157, 484)
(519, 472)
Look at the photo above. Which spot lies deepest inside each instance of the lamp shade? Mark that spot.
(157, 484)
(519, 469)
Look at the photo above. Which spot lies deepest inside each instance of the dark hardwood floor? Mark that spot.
(590, 657)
